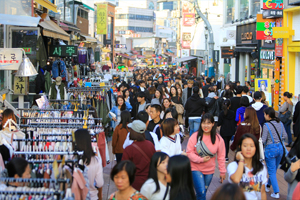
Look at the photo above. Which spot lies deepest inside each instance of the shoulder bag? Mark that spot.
(202, 149)
(142, 152)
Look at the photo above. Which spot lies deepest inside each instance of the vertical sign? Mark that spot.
(264, 28)
(21, 85)
(102, 19)
(279, 41)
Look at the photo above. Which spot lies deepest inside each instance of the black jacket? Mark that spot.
(296, 120)
(205, 90)
(214, 108)
(227, 123)
(195, 106)
(148, 96)
(235, 103)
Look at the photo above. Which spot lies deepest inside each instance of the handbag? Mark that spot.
(285, 151)
(284, 118)
(202, 149)
(179, 108)
(261, 146)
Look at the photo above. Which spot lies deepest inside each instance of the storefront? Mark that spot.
(291, 50)
(247, 53)
(267, 64)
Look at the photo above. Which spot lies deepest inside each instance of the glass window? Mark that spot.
(151, 5)
(255, 7)
(2, 78)
(244, 8)
(230, 11)
(15, 7)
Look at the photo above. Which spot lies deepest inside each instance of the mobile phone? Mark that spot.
(294, 159)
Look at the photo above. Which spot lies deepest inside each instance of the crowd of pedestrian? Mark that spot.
(218, 116)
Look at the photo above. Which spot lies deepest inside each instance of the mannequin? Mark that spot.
(58, 90)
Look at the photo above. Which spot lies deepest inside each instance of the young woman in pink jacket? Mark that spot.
(203, 162)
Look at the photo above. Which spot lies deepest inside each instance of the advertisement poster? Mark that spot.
(188, 19)
(101, 18)
(264, 28)
(186, 40)
(264, 84)
(10, 58)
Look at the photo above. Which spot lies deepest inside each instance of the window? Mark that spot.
(136, 17)
(133, 28)
(82, 13)
(15, 7)
(244, 8)
(255, 7)
(230, 11)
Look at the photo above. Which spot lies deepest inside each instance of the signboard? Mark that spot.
(264, 84)
(216, 55)
(267, 54)
(246, 34)
(282, 32)
(27, 50)
(294, 2)
(188, 19)
(279, 41)
(227, 53)
(102, 19)
(185, 53)
(186, 40)
(273, 4)
(62, 50)
(187, 7)
(21, 86)
(264, 28)
(272, 13)
(10, 58)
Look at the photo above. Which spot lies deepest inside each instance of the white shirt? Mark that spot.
(171, 145)
(250, 98)
(149, 187)
(157, 147)
(251, 184)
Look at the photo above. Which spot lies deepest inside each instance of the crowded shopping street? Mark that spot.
(149, 99)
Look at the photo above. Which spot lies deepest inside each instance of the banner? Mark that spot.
(186, 40)
(188, 19)
(279, 41)
(102, 19)
(10, 58)
(63, 50)
(273, 4)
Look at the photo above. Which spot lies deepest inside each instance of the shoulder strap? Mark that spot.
(141, 151)
(270, 132)
(166, 193)
(276, 131)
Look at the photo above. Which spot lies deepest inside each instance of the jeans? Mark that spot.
(194, 125)
(201, 184)
(226, 141)
(273, 155)
(287, 127)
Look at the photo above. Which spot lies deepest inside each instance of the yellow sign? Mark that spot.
(282, 32)
(102, 19)
(21, 86)
(264, 85)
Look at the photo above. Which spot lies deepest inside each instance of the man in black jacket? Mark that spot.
(205, 88)
(140, 105)
(143, 88)
(194, 107)
(235, 101)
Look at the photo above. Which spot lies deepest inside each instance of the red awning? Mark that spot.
(64, 26)
(135, 52)
(140, 56)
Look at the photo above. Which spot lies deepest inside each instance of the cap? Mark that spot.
(58, 80)
(138, 126)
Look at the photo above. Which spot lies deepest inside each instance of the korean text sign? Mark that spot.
(63, 50)
(102, 19)
(10, 58)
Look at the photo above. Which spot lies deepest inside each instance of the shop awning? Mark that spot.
(245, 49)
(184, 59)
(82, 4)
(140, 56)
(89, 39)
(47, 4)
(170, 54)
(135, 52)
(17, 20)
(164, 56)
(51, 29)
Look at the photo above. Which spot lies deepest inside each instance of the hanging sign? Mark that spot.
(21, 86)
(10, 58)
(188, 19)
(102, 19)
(273, 4)
(62, 50)
(264, 28)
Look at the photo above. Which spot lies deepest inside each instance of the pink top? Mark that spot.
(296, 194)
(208, 167)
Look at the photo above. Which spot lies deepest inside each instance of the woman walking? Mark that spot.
(273, 134)
(209, 144)
(286, 112)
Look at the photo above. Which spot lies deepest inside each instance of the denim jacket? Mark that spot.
(115, 110)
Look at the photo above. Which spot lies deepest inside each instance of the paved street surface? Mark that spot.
(109, 186)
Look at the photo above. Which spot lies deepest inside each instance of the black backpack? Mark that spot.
(149, 137)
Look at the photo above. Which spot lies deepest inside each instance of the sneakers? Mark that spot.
(275, 195)
(226, 160)
(267, 189)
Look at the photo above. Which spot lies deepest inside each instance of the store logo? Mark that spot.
(247, 36)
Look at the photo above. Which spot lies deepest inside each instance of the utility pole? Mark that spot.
(211, 43)
(178, 29)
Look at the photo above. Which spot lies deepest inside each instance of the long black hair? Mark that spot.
(225, 106)
(156, 160)
(84, 143)
(182, 187)
(16, 166)
(125, 118)
(256, 164)
(272, 114)
(161, 95)
(208, 117)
